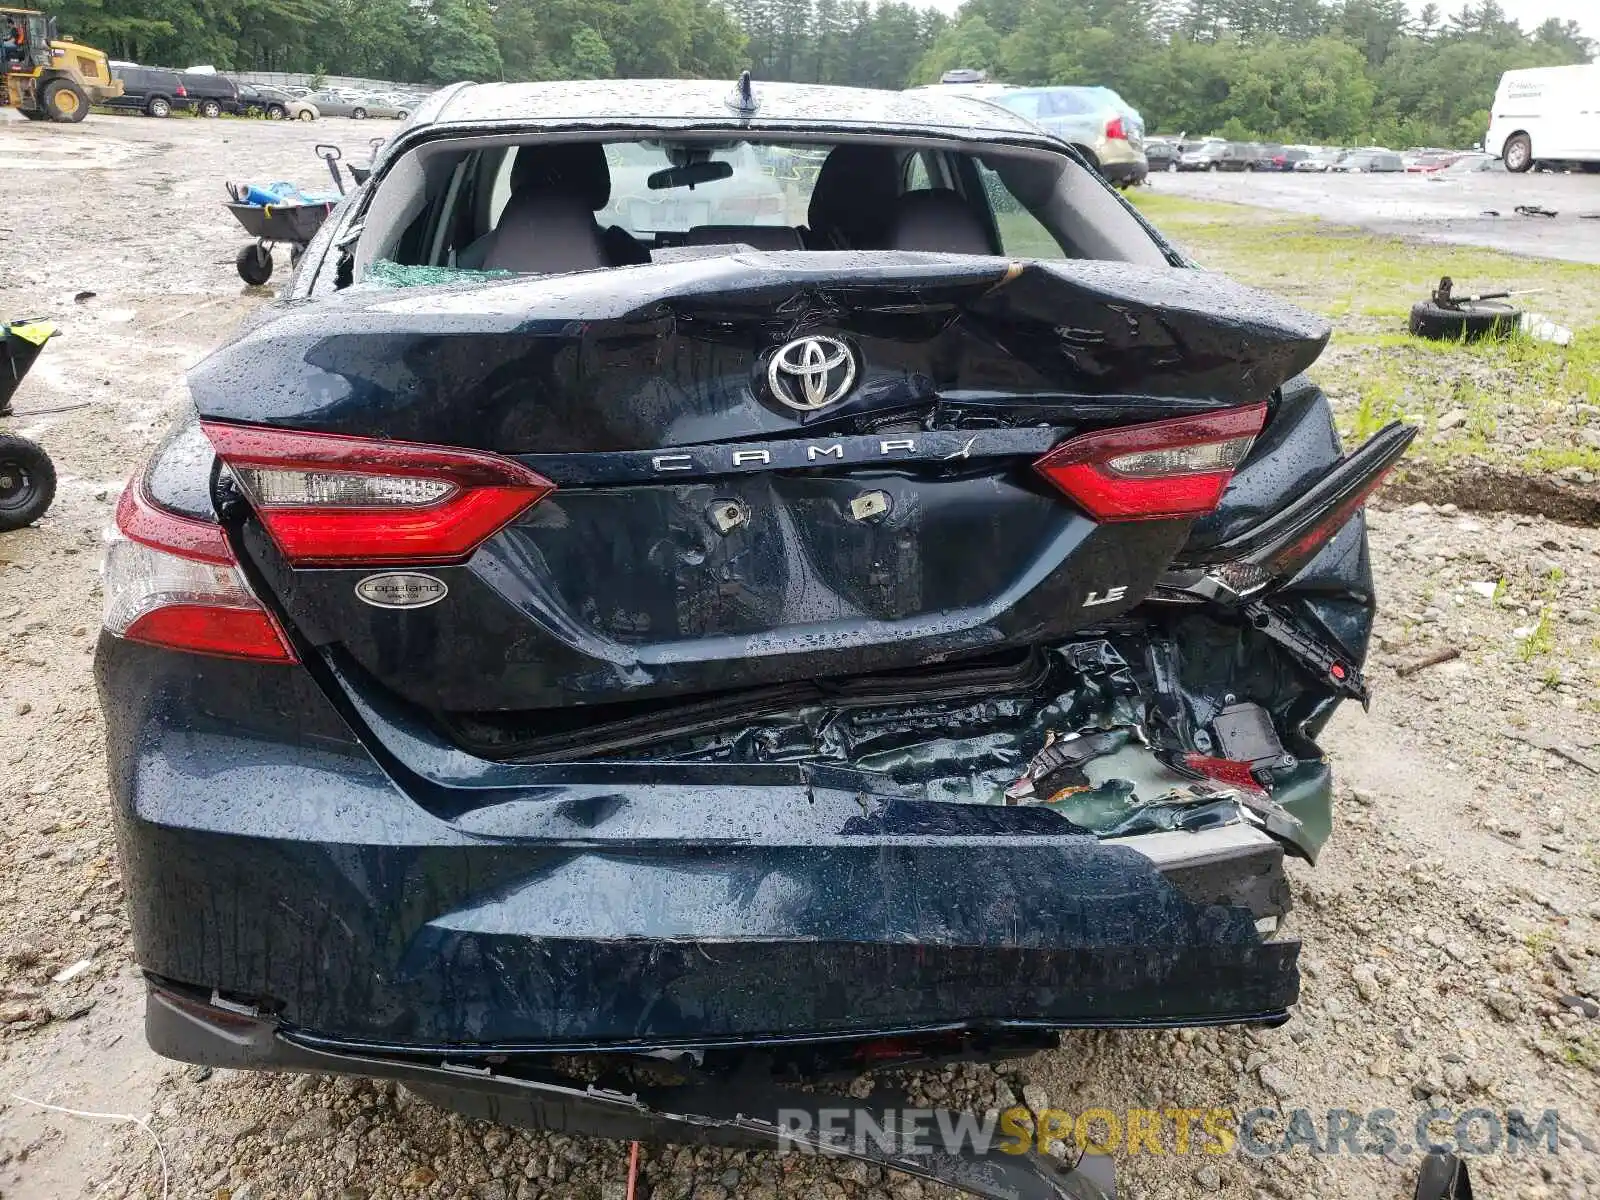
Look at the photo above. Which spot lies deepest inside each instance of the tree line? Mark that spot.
(1342, 71)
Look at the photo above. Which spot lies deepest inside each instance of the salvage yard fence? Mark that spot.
(299, 79)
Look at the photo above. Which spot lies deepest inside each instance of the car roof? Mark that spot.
(699, 103)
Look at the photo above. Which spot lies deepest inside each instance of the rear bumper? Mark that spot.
(746, 1111)
(269, 859)
(1125, 172)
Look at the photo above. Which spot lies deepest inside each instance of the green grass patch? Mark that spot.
(1541, 641)
(1338, 269)
(1379, 405)
(1585, 458)
(1375, 371)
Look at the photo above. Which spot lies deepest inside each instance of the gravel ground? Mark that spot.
(1452, 927)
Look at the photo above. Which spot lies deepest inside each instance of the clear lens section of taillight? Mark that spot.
(172, 581)
(336, 490)
(1181, 460)
(1162, 470)
(329, 500)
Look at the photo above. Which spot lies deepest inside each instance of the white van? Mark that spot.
(1546, 114)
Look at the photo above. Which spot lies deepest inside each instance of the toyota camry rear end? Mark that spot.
(797, 570)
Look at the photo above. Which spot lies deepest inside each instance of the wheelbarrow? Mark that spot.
(279, 215)
(27, 476)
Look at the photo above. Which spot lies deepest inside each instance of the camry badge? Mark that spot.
(811, 373)
(401, 589)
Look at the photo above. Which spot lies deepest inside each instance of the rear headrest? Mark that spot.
(571, 168)
(851, 199)
(759, 237)
(545, 233)
(939, 221)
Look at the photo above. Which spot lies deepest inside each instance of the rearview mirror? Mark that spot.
(689, 176)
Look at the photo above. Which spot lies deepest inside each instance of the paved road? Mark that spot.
(1434, 209)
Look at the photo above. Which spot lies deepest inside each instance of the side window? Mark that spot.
(500, 190)
(1025, 105)
(916, 177)
(1021, 234)
(1065, 104)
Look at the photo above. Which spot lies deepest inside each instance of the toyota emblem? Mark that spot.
(811, 373)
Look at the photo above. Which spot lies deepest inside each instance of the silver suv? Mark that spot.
(1100, 124)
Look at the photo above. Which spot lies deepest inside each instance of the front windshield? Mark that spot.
(769, 185)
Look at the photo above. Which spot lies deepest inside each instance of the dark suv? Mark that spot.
(154, 91)
(211, 95)
(694, 648)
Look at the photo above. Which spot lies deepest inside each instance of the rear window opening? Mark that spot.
(456, 209)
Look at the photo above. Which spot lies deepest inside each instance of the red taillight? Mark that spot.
(1160, 471)
(1115, 130)
(1224, 770)
(330, 500)
(172, 581)
(1290, 558)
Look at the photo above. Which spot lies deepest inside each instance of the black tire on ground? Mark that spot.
(1518, 152)
(1214, 167)
(1173, 165)
(255, 264)
(33, 114)
(276, 112)
(307, 115)
(210, 108)
(27, 482)
(159, 106)
(64, 101)
(358, 114)
(1472, 321)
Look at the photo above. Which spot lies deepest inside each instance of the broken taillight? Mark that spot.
(1163, 470)
(330, 500)
(173, 581)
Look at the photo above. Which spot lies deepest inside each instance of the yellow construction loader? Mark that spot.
(47, 77)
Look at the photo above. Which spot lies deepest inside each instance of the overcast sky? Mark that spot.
(1528, 13)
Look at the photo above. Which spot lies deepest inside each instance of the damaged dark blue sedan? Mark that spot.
(696, 587)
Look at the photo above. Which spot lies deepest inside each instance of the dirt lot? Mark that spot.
(1456, 907)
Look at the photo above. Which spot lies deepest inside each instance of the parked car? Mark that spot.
(1369, 161)
(1215, 156)
(269, 102)
(1469, 164)
(154, 91)
(1280, 158)
(332, 103)
(1427, 163)
(211, 95)
(1161, 154)
(488, 680)
(359, 105)
(1097, 122)
(1319, 161)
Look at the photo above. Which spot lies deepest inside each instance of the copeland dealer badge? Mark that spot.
(401, 589)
